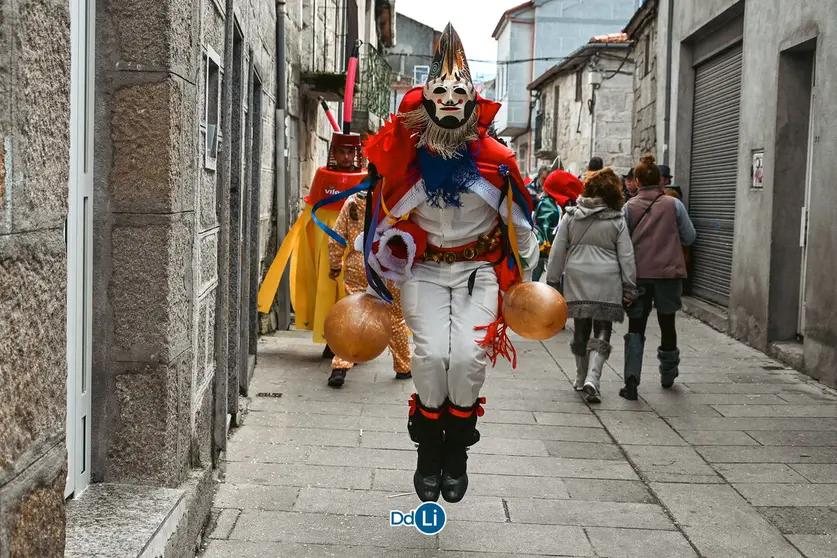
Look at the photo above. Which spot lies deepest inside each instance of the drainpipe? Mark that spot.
(281, 194)
(667, 121)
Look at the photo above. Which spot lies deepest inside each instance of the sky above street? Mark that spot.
(474, 20)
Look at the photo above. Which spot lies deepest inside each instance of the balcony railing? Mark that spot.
(323, 50)
(539, 120)
(373, 92)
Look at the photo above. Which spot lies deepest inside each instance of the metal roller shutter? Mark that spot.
(714, 173)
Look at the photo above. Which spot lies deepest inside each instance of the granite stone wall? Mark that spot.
(34, 172)
(644, 126)
(157, 228)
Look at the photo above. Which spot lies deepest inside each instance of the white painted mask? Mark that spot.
(449, 96)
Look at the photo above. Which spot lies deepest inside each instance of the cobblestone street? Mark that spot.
(739, 460)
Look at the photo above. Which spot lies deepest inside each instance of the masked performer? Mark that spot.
(313, 292)
(452, 225)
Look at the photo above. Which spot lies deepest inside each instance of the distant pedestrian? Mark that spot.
(670, 188)
(631, 186)
(595, 165)
(659, 225)
(559, 188)
(593, 251)
(535, 187)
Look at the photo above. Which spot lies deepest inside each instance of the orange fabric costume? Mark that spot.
(349, 225)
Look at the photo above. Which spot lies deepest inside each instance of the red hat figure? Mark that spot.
(313, 293)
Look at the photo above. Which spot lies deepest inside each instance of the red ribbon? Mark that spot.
(479, 410)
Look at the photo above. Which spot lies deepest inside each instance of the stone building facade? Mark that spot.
(533, 37)
(642, 32)
(763, 203)
(584, 107)
(410, 58)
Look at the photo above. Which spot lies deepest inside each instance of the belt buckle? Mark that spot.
(449, 257)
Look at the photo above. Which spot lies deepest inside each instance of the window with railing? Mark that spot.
(374, 82)
(539, 121)
(420, 74)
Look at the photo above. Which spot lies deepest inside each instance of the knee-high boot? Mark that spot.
(582, 363)
(599, 353)
(460, 433)
(425, 428)
(634, 347)
(669, 366)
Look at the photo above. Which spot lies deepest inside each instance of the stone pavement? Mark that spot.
(739, 460)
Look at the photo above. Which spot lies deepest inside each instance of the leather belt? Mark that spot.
(475, 251)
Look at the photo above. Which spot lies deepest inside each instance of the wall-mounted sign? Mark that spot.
(757, 172)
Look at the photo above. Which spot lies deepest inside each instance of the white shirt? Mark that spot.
(450, 227)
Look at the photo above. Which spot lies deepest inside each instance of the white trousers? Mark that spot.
(448, 362)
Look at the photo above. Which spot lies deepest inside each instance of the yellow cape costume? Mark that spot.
(313, 292)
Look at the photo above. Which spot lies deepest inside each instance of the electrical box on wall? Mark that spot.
(594, 78)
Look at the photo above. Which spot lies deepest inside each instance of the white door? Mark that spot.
(803, 232)
(79, 238)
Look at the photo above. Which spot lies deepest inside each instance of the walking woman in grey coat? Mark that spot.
(594, 252)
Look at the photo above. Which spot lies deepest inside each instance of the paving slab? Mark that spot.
(768, 454)
(608, 491)
(224, 523)
(788, 410)
(513, 537)
(378, 504)
(759, 473)
(789, 494)
(807, 520)
(632, 543)
(314, 528)
(671, 464)
(397, 482)
(298, 436)
(817, 473)
(298, 475)
(256, 496)
(725, 542)
(584, 450)
(794, 438)
(587, 513)
(717, 438)
(639, 428)
(815, 546)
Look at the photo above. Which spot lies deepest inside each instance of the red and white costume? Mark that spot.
(454, 232)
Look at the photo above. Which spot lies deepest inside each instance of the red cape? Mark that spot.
(393, 152)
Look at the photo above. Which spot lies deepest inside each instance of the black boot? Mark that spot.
(425, 428)
(337, 378)
(669, 366)
(460, 433)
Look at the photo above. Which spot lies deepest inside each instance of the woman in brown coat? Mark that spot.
(659, 227)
